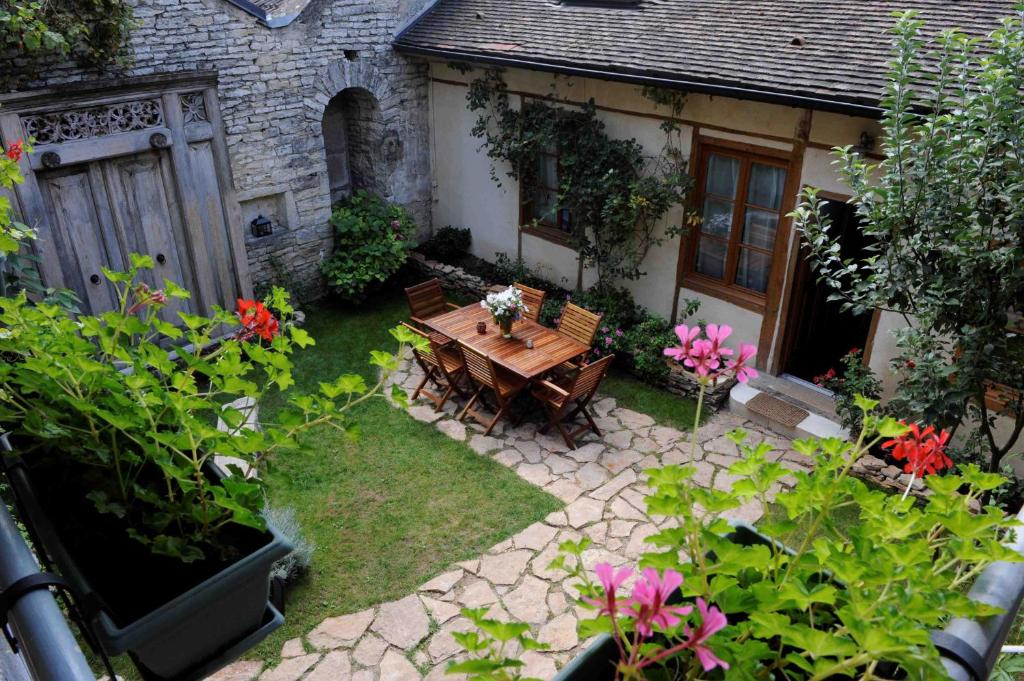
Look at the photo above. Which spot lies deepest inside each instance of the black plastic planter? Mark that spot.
(190, 635)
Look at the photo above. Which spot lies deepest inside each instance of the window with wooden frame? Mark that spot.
(740, 198)
(540, 212)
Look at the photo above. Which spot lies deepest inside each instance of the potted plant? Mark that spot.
(113, 420)
(854, 600)
(506, 307)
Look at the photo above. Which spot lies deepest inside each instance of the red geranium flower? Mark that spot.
(15, 151)
(923, 450)
(256, 320)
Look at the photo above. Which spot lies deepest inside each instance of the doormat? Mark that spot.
(777, 410)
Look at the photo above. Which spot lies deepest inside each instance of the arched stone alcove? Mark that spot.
(353, 130)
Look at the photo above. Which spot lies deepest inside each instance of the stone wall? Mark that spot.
(274, 85)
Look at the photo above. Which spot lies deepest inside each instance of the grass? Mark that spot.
(664, 407)
(396, 506)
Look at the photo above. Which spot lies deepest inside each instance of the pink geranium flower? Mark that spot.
(739, 365)
(702, 358)
(686, 337)
(611, 579)
(647, 606)
(711, 620)
(717, 335)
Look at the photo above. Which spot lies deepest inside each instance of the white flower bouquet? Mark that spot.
(506, 307)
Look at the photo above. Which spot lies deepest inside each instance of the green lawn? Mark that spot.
(395, 507)
(664, 407)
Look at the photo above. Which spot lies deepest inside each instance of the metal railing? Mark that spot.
(45, 644)
(971, 647)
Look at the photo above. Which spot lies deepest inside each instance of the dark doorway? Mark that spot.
(818, 331)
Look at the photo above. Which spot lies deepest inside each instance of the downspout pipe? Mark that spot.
(970, 647)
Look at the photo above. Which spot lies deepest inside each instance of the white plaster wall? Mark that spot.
(746, 324)
(464, 193)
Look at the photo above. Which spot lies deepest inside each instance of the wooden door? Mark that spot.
(81, 233)
(141, 169)
(147, 220)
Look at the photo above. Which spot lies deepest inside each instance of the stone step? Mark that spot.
(783, 416)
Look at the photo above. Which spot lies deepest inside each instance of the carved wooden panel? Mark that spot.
(89, 122)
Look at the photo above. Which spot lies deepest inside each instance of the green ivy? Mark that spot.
(95, 33)
(616, 193)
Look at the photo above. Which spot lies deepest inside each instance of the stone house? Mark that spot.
(230, 110)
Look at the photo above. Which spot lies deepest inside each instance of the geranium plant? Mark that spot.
(132, 402)
(857, 600)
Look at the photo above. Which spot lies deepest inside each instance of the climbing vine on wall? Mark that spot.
(615, 192)
(94, 33)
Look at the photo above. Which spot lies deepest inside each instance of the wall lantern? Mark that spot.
(262, 226)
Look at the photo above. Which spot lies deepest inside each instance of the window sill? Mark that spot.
(551, 234)
(749, 300)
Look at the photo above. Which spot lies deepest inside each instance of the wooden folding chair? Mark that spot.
(485, 375)
(579, 324)
(534, 300)
(575, 390)
(426, 300)
(442, 364)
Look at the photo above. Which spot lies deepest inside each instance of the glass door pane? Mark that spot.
(752, 270)
(711, 257)
(722, 176)
(759, 228)
(767, 183)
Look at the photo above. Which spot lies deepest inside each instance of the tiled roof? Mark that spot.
(832, 52)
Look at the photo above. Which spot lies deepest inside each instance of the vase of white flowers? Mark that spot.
(506, 307)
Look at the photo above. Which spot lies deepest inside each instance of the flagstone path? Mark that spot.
(603, 486)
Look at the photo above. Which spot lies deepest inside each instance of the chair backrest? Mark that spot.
(479, 366)
(589, 378)
(428, 355)
(579, 324)
(534, 300)
(426, 300)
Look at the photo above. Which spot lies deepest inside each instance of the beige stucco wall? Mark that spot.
(466, 196)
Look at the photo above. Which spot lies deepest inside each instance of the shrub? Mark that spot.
(645, 343)
(372, 239)
(509, 270)
(856, 379)
(448, 244)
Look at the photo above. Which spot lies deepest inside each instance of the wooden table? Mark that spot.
(550, 348)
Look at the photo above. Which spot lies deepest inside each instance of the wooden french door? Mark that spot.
(141, 171)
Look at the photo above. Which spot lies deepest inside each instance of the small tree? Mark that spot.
(945, 209)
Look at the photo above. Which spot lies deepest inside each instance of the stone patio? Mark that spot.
(603, 486)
